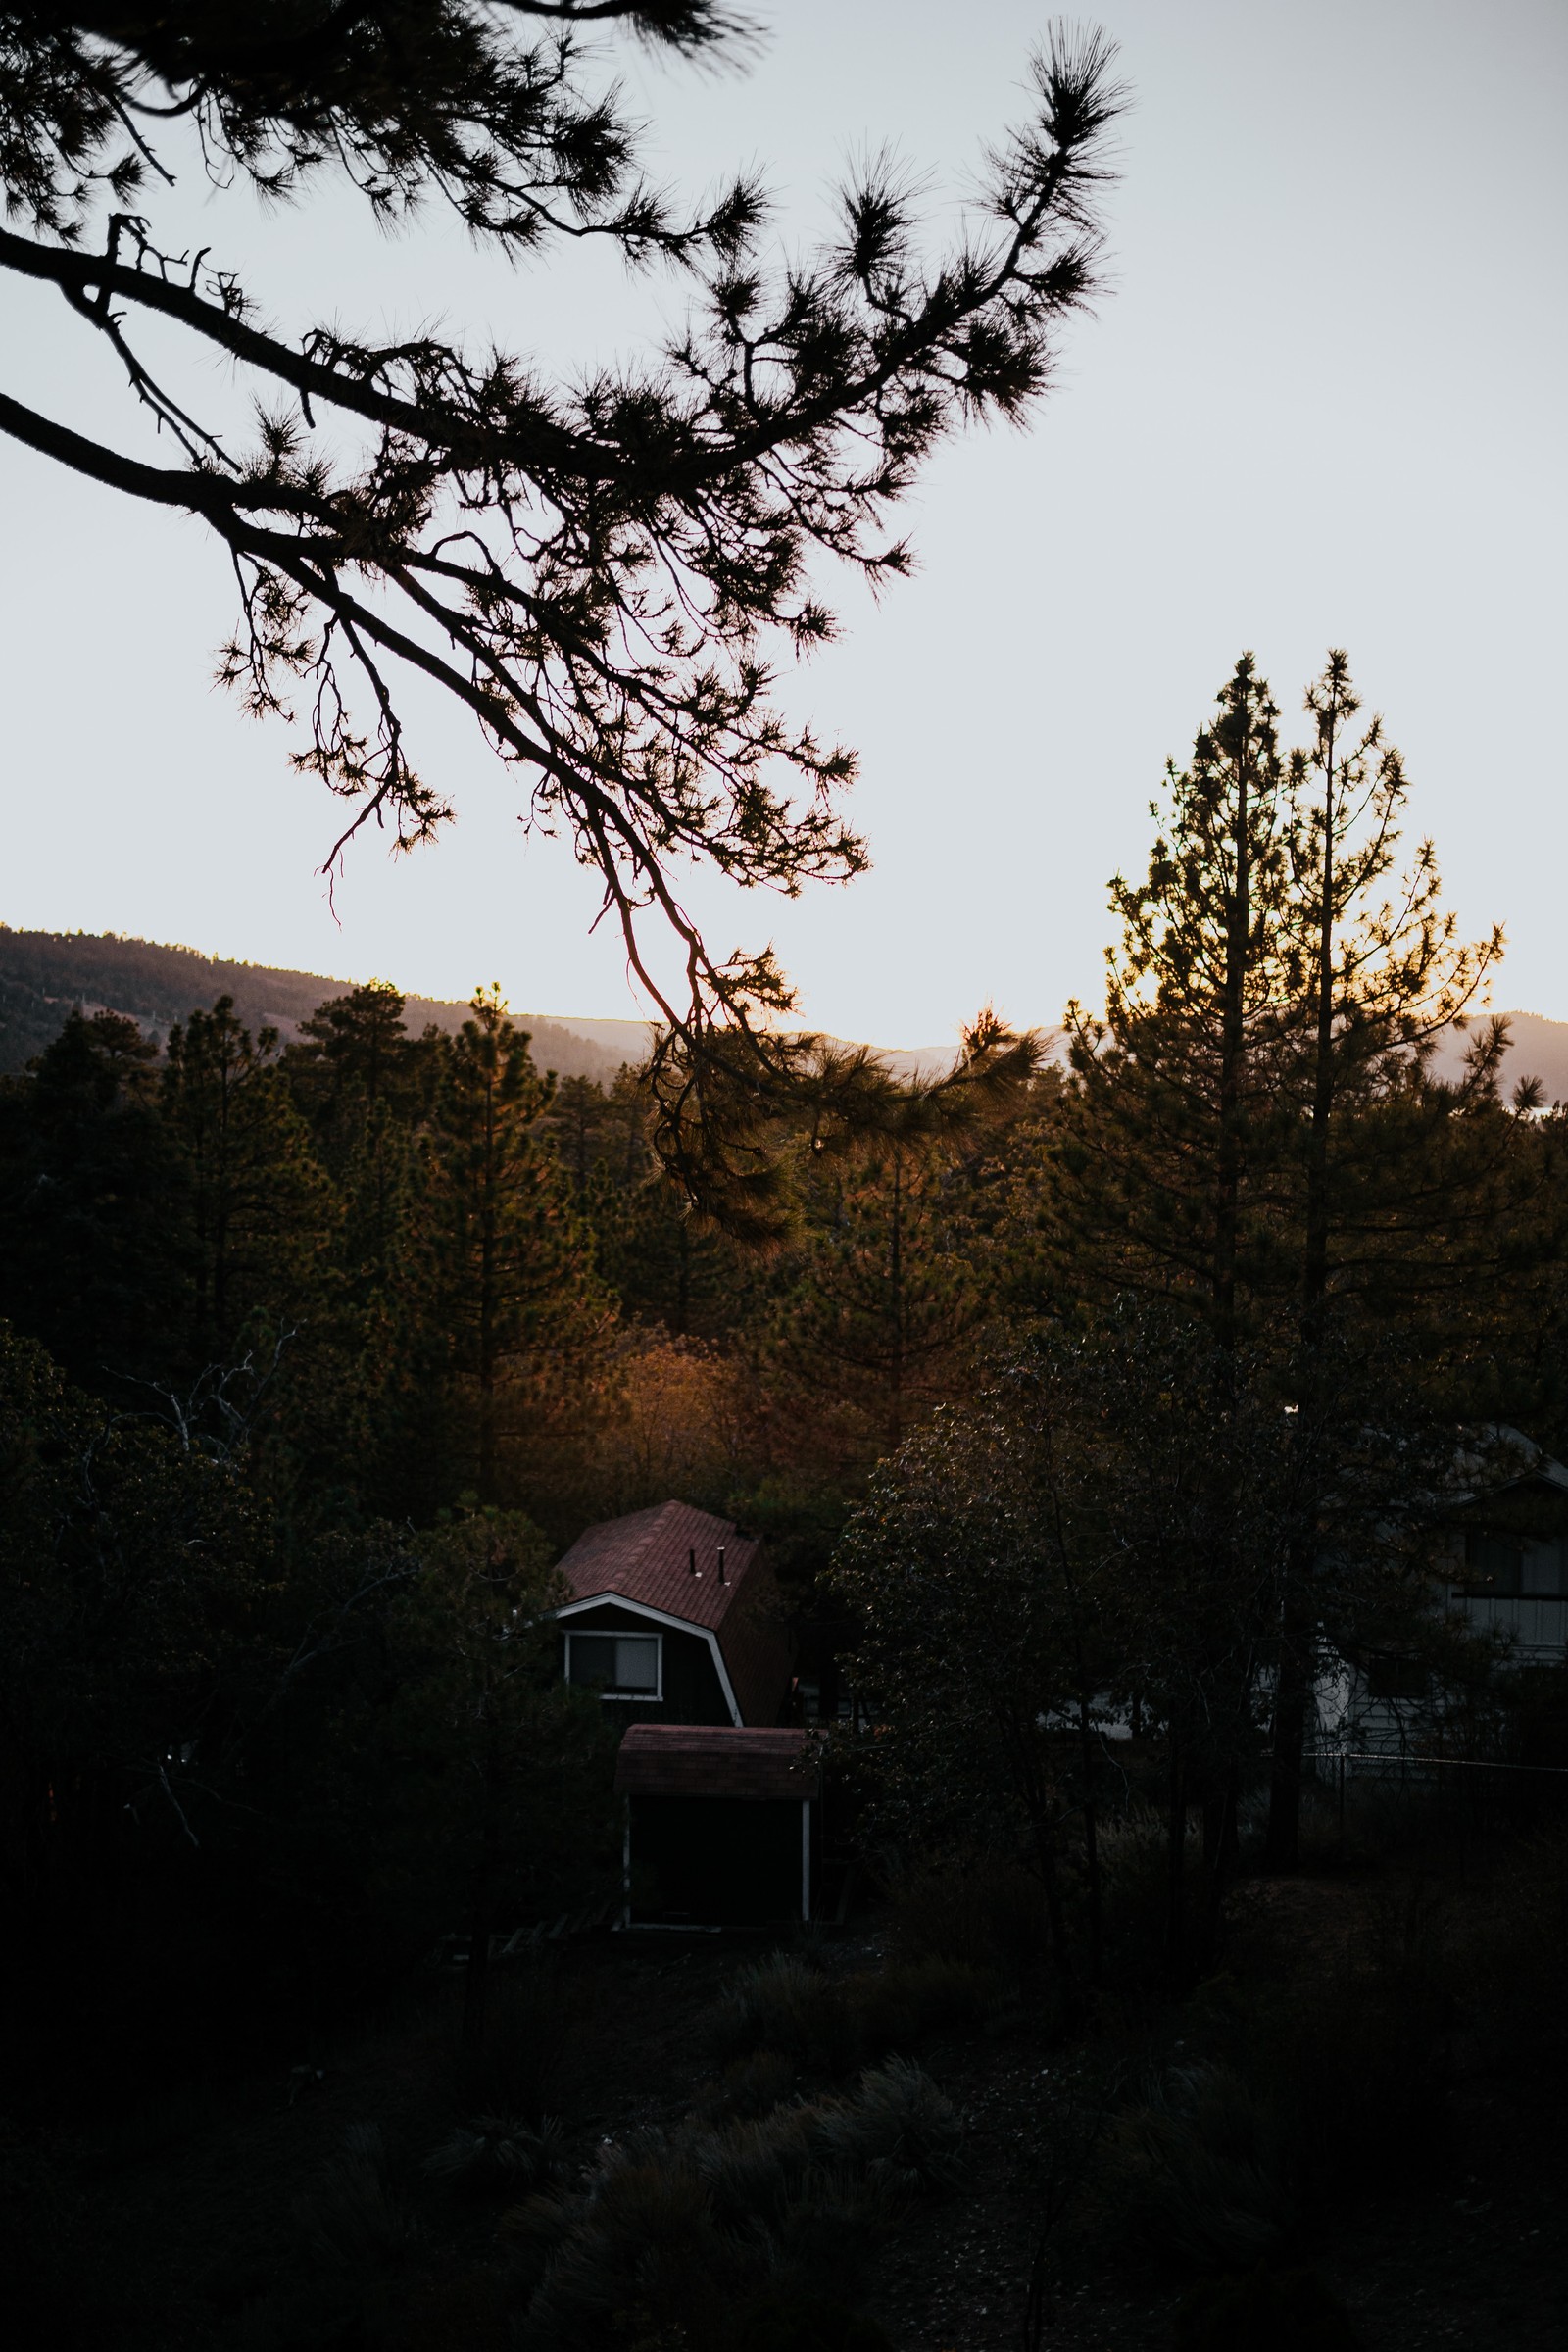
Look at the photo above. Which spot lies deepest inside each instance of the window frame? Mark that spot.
(620, 1633)
(1512, 1584)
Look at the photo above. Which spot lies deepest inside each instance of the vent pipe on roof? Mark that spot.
(722, 1576)
(692, 1568)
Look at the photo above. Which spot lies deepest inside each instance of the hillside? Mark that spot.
(44, 973)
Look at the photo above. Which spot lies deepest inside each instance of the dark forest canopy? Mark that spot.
(1096, 1419)
(607, 574)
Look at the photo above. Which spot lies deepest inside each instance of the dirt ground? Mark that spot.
(193, 2209)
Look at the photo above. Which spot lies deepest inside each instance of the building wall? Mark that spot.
(693, 1692)
(717, 1861)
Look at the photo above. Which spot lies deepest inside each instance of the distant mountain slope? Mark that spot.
(44, 973)
(1536, 1049)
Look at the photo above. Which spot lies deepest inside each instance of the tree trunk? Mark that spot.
(1175, 1912)
(1282, 1845)
(1086, 1741)
(476, 1982)
(1238, 934)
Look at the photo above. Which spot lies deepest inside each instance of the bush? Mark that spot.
(785, 2004)
(774, 2323)
(1135, 1891)
(352, 2218)
(1508, 1954)
(1267, 2311)
(1193, 2172)
(989, 1915)
(498, 2152)
(898, 2129)
(896, 2007)
(751, 2086)
(828, 2024)
(531, 2043)
(672, 2235)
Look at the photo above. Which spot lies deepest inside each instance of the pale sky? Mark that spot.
(1323, 404)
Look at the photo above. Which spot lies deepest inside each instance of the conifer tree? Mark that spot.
(515, 1276)
(1158, 1169)
(257, 1209)
(1391, 1172)
(88, 1193)
(353, 1057)
(884, 1286)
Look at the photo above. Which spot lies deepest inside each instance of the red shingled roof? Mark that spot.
(646, 1557)
(679, 1759)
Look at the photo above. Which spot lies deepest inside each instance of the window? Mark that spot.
(1508, 1568)
(617, 1665)
(1392, 1677)
(1540, 1571)
(1492, 1565)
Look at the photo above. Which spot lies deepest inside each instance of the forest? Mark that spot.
(753, 1695)
(1091, 1410)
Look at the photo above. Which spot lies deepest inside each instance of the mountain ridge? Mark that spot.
(44, 973)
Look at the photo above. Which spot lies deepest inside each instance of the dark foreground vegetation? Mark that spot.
(1096, 1420)
(1346, 2135)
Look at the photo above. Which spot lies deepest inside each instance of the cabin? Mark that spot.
(675, 1619)
(1501, 1572)
(722, 1826)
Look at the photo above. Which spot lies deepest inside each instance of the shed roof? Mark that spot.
(684, 1760)
(646, 1557)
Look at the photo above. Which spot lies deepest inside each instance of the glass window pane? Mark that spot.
(636, 1663)
(593, 1658)
(1493, 1563)
(1542, 1568)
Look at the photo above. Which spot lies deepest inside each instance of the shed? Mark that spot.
(675, 1618)
(721, 1825)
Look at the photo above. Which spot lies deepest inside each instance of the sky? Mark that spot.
(1320, 404)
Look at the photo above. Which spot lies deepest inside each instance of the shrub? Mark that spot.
(989, 1915)
(531, 2043)
(643, 2247)
(896, 2007)
(1194, 2171)
(1135, 1891)
(1508, 1953)
(1266, 2311)
(784, 2004)
(498, 2152)
(671, 2234)
(804, 2324)
(828, 2024)
(352, 2217)
(899, 2128)
(751, 2086)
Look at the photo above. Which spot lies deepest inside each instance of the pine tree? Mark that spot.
(1390, 1169)
(1159, 1171)
(515, 1282)
(887, 1285)
(353, 1059)
(258, 1211)
(88, 1190)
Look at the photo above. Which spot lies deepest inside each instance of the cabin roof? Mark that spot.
(646, 1557)
(681, 1759)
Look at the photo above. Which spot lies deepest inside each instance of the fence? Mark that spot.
(1452, 1800)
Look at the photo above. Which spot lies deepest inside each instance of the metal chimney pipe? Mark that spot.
(722, 1576)
(692, 1568)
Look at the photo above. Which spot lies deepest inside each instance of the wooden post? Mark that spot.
(626, 1869)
